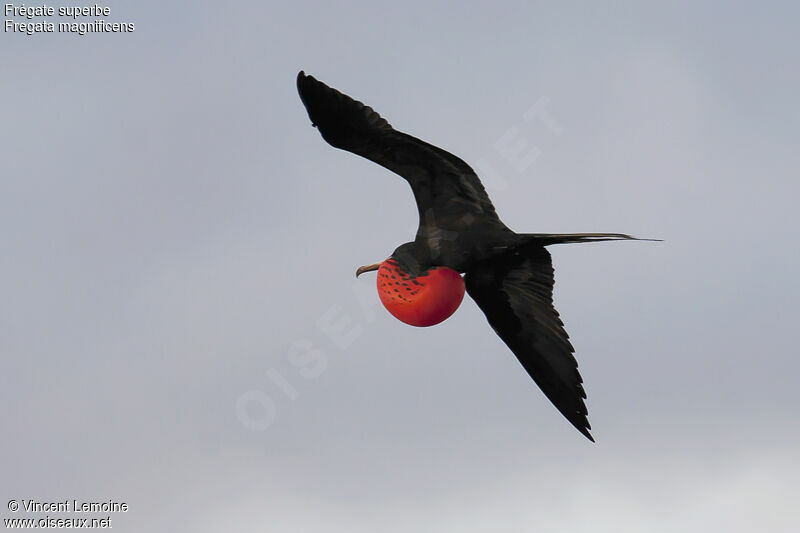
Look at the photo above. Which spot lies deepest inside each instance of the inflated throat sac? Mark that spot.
(420, 301)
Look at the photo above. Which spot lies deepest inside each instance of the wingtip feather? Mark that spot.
(341, 120)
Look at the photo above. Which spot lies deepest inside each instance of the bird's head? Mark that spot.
(414, 294)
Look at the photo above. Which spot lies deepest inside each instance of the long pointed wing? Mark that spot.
(515, 292)
(440, 181)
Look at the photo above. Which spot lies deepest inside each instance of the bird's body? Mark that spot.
(508, 274)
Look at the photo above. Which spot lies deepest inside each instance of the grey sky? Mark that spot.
(175, 234)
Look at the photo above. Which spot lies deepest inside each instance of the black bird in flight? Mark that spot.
(508, 274)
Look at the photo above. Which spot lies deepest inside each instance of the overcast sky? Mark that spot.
(181, 330)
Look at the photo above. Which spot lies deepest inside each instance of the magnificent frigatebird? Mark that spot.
(508, 274)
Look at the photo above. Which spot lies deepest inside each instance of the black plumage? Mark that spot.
(509, 275)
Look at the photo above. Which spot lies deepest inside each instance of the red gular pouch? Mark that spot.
(421, 301)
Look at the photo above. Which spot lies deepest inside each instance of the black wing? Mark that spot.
(440, 181)
(515, 291)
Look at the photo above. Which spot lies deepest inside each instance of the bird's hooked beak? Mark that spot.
(368, 268)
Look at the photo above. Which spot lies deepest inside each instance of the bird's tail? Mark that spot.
(547, 239)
